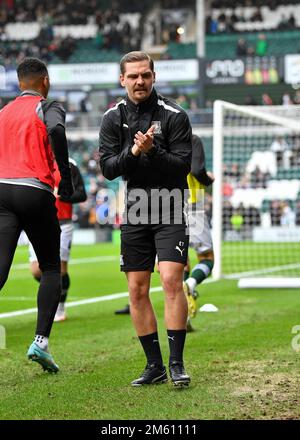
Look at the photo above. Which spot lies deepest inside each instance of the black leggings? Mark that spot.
(32, 210)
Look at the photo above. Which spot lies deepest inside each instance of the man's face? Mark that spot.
(138, 80)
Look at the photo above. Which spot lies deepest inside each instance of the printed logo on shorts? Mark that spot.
(157, 129)
(121, 260)
(178, 248)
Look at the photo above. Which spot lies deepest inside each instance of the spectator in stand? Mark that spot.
(3, 36)
(284, 23)
(250, 51)
(225, 23)
(296, 98)
(85, 105)
(241, 49)
(234, 172)
(261, 46)
(286, 99)
(297, 214)
(229, 25)
(82, 215)
(295, 158)
(227, 214)
(65, 48)
(234, 19)
(292, 22)
(99, 38)
(227, 188)
(288, 217)
(183, 102)
(250, 100)
(252, 216)
(256, 16)
(244, 182)
(211, 25)
(237, 220)
(266, 99)
(281, 149)
(258, 179)
(209, 104)
(273, 4)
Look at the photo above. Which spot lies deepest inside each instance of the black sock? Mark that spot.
(186, 274)
(48, 298)
(151, 348)
(65, 284)
(176, 340)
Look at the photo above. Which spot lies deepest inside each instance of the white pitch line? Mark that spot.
(103, 258)
(234, 276)
(86, 301)
(76, 303)
(25, 298)
(153, 289)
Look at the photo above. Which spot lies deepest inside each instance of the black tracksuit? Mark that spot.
(165, 166)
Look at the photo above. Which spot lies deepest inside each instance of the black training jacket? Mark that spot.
(198, 168)
(168, 163)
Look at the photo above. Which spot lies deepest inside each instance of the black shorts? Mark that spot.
(32, 210)
(141, 243)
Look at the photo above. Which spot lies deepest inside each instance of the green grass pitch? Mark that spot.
(240, 359)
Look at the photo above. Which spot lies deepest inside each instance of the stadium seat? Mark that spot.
(292, 173)
(76, 31)
(249, 197)
(283, 189)
(264, 160)
(22, 31)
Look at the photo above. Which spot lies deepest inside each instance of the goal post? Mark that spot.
(256, 194)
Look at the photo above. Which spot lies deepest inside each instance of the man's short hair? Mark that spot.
(133, 57)
(32, 67)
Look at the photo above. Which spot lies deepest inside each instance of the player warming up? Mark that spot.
(32, 129)
(146, 138)
(64, 213)
(200, 236)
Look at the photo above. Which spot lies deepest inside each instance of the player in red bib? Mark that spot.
(64, 214)
(32, 133)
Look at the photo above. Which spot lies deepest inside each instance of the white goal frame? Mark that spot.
(218, 144)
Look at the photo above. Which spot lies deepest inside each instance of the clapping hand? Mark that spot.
(144, 142)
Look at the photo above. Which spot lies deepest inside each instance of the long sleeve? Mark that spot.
(198, 168)
(177, 160)
(54, 117)
(114, 161)
(60, 149)
(79, 194)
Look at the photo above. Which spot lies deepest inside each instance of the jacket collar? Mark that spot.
(143, 106)
(30, 92)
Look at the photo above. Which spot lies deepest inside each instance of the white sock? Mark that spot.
(42, 342)
(192, 283)
(61, 307)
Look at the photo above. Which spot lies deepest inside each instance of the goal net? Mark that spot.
(256, 194)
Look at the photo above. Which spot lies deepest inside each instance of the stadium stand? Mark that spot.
(100, 31)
